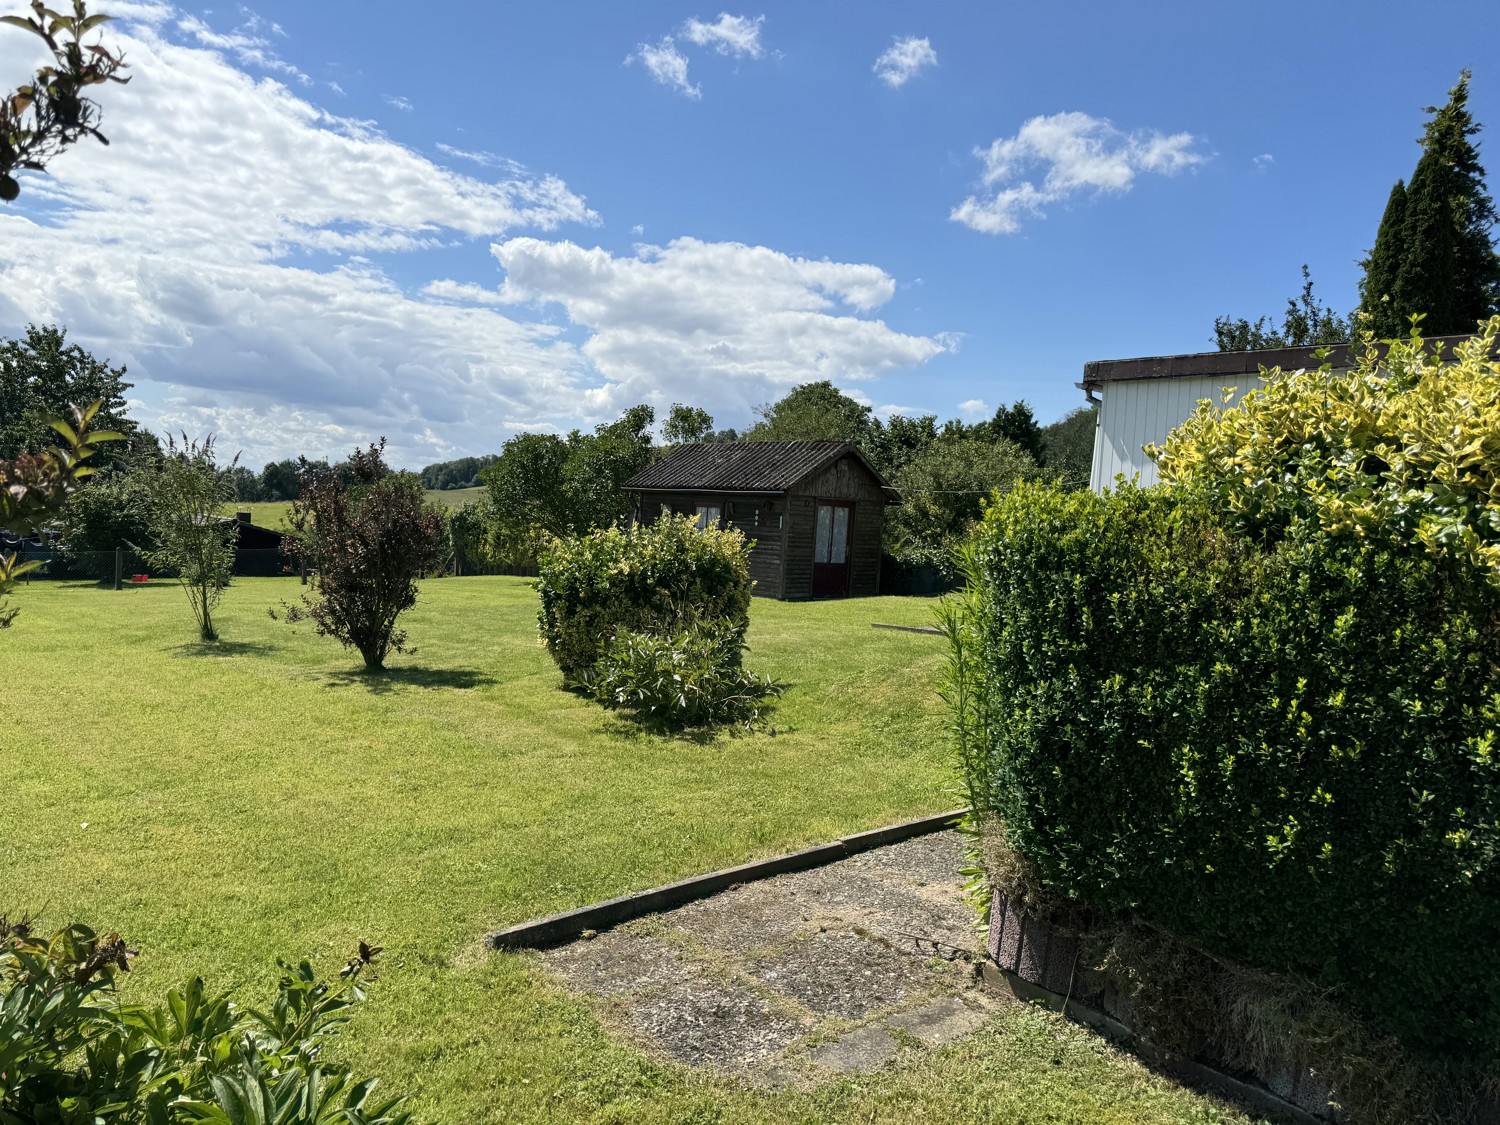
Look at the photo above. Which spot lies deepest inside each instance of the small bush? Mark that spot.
(691, 677)
(72, 1051)
(654, 580)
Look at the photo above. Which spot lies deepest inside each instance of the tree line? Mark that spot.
(548, 485)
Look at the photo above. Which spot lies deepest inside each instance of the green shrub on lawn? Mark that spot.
(1280, 748)
(690, 677)
(71, 1050)
(654, 580)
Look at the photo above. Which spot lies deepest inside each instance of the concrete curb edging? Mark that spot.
(570, 924)
(1195, 1074)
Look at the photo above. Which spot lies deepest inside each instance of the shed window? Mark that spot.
(709, 515)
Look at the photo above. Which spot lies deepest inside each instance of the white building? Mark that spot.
(1142, 400)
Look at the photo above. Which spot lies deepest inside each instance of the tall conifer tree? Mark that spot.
(1435, 253)
(1379, 282)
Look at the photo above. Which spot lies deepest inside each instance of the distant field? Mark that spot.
(273, 513)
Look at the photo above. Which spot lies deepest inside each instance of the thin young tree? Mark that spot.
(370, 535)
(190, 533)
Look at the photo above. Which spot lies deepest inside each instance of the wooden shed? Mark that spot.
(815, 509)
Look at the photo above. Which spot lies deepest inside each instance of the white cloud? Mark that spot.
(669, 66)
(720, 324)
(1263, 162)
(730, 35)
(245, 43)
(1079, 153)
(903, 60)
(226, 258)
(218, 254)
(974, 409)
(395, 101)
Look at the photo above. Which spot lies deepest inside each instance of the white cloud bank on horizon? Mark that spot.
(903, 60)
(1079, 153)
(227, 259)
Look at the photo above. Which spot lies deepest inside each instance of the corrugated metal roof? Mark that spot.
(744, 466)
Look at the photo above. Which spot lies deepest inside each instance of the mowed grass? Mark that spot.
(225, 805)
(273, 513)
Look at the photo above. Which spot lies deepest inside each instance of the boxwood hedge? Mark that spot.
(1257, 705)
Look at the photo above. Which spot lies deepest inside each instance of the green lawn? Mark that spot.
(225, 805)
(273, 513)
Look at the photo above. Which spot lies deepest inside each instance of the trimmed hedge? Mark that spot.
(654, 579)
(1277, 744)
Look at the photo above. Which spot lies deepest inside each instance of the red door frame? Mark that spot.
(832, 580)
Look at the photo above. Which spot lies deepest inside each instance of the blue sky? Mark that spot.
(324, 222)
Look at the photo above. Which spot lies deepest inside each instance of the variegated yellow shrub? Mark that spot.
(1405, 444)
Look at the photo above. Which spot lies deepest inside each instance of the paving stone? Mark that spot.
(741, 919)
(707, 1022)
(862, 1051)
(839, 974)
(616, 962)
(924, 860)
(939, 1021)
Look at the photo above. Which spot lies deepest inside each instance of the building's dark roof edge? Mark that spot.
(650, 480)
(1208, 364)
(700, 488)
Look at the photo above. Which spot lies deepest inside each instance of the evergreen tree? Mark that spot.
(1445, 265)
(1384, 260)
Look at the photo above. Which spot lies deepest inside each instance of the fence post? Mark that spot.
(119, 567)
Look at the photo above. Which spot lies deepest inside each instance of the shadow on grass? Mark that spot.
(383, 683)
(222, 648)
(624, 724)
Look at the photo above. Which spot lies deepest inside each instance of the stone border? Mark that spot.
(557, 929)
(927, 629)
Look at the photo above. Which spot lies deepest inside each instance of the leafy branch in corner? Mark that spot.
(34, 486)
(40, 119)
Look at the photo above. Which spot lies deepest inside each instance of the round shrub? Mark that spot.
(691, 677)
(1257, 705)
(642, 579)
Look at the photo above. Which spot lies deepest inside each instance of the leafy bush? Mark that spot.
(1259, 717)
(691, 677)
(655, 580)
(371, 535)
(72, 1051)
(1404, 448)
(944, 489)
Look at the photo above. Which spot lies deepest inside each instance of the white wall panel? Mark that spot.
(1134, 413)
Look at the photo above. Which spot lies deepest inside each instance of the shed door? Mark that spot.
(831, 550)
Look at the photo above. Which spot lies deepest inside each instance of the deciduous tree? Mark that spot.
(1305, 323)
(370, 534)
(34, 486)
(189, 532)
(41, 377)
